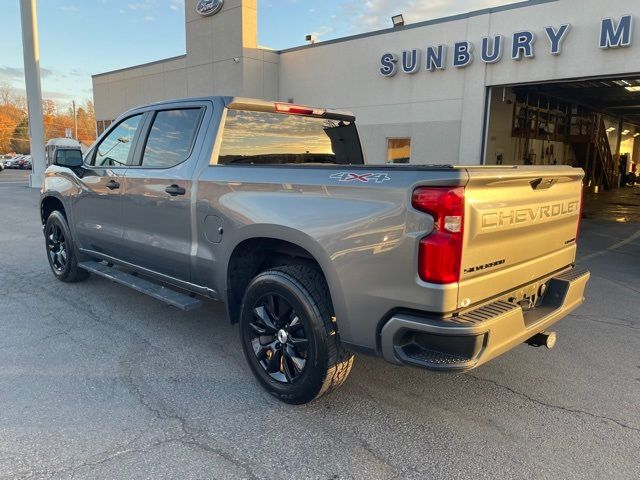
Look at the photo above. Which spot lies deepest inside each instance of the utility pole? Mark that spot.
(30, 50)
(75, 120)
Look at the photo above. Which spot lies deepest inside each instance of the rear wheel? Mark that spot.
(61, 250)
(289, 335)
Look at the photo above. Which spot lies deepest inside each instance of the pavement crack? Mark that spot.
(595, 319)
(620, 284)
(187, 435)
(556, 407)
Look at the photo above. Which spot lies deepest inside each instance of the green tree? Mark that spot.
(20, 140)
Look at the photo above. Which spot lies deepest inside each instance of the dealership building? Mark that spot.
(539, 82)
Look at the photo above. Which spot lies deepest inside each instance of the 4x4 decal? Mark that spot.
(361, 177)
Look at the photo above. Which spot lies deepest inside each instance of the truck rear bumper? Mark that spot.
(473, 338)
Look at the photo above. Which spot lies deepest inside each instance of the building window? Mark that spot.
(102, 125)
(398, 150)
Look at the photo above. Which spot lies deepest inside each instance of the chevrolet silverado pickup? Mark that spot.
(271, 208)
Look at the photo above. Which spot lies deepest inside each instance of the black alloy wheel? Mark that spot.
(289, 334)
(61, 251)
(279, 339)
(57, 247)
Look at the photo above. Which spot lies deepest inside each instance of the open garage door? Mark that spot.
(593, 124)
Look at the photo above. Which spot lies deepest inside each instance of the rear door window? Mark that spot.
(171, 137)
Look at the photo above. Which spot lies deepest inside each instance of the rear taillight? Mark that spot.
(440, 255)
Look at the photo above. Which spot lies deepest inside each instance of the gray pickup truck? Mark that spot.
(272, 209)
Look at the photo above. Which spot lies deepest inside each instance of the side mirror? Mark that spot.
(69, 158)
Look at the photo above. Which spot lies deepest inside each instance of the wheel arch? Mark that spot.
(50, 203)
(259, 250)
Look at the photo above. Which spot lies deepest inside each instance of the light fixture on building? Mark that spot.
(311, 39)
(635, 88)
(610, 129)
(398, 21)
(626, 132)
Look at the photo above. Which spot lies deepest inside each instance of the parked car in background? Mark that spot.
(57, 148)
(3, 159)
(14, 162)
(26, 163)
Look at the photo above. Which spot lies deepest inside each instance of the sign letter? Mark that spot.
(411, 60)
(462, 55)
(616, 36)
(389, 65)
(523, 45)
(492, 53)
(436, 58)
(557, 37)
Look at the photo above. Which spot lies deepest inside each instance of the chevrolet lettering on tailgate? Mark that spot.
(501, 218)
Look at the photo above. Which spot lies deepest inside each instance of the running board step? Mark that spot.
(171, 297)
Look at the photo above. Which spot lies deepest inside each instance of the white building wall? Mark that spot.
(442, 111)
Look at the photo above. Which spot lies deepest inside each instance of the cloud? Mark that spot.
(176, 5)
(138, 6)
(322, 31)
(69, 8)
(11, 73)
(17, 73)
(376, 14)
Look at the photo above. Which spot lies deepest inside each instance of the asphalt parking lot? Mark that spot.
(97, 381)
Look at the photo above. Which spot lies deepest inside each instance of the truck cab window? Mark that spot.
(114, 149)
(261, 138)
(171, 137)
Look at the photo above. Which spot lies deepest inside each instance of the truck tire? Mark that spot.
(289, 335)
(61, 251)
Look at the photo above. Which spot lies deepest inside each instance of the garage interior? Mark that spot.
(593, 124)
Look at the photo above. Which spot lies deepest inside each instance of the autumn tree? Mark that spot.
(86, 122)
(14, 124)
(10, 115)
(20, 139)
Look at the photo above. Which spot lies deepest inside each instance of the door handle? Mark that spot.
(113, 185)
(175, 190)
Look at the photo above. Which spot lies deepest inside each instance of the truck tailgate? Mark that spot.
(520, 225)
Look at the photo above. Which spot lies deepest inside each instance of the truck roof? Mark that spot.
(64, 142)
(254, 104)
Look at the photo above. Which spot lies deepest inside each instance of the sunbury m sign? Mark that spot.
(613, 34)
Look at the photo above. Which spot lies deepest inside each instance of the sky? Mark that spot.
(79, 38)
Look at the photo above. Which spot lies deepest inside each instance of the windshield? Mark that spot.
(64, 156)
(273, 138)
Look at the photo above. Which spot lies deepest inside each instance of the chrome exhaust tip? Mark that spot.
(543, 339)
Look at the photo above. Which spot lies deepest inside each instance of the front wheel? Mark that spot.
(61, 251)
(289, 335)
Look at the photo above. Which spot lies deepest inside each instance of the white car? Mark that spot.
(3, 160)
